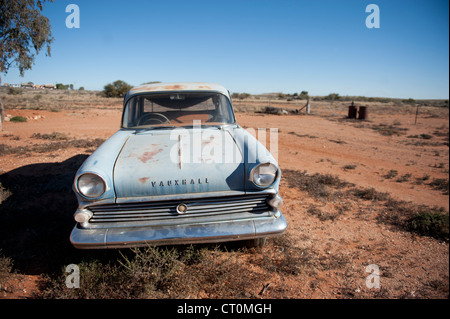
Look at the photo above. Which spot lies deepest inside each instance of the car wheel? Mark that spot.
(256, 243)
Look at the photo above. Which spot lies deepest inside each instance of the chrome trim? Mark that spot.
(83, 203)
(271, 201)
(128, 97)
(188, 196)
(198, 210)
(179, 234)
(105, 186)
(252, 172)
(182, 209)
(86, 212)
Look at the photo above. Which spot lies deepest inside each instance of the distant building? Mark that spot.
(49, 86)
(27, 85)
(31, 85)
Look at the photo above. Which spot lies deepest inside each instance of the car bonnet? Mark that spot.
(180, 161)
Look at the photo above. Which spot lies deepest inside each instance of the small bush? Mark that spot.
(391, 174)
(240, 96)
(389, 130)
(404, 178)
(155, 266)
(116, 89)
(54, 136)
(441, 184)
(420, 219)
(371, 194)
(18, 119)
(50, 147)
(317, 185)
(14, 91)
(6, 265)
(421, 136)
(434, 224)
(321, 215)
(409, 101)
(332, 96)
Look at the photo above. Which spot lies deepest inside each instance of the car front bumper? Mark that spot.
(193, 233)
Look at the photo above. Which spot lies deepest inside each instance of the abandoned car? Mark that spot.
(179, 171)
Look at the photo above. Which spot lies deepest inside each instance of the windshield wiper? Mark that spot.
(202, 126)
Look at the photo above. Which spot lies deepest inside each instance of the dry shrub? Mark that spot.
(6, 265)
(317, 185)
(51, 147)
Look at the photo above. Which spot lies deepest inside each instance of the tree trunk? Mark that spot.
(1, 114)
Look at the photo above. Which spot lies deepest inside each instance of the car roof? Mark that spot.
(177, 87)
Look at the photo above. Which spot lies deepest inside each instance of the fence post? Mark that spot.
(417, 113)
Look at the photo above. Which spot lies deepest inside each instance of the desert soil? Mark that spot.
(411, 266)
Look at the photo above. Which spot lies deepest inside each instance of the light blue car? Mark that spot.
(179, 171)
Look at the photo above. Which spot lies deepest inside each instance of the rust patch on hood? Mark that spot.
(174, 87)
(147, 156)
(144, 179)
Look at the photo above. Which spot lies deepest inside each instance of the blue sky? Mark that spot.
(261, 46)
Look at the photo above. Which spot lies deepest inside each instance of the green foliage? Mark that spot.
(433, 224)
(116, 89)
(441, 184)
(61, 86)
(240, 96)
(409, 101)
(18, 119)
(303, 95)
(24, 31)
(333, 96)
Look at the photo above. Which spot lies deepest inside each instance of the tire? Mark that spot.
(256, 243)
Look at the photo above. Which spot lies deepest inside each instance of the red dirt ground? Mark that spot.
(411, 266)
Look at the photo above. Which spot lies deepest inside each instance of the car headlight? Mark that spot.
(264, 174)
(91, 185)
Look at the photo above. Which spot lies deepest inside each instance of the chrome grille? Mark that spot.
(165, 212)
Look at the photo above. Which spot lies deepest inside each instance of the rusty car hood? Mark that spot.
(166, 162)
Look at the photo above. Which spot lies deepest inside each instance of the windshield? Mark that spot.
(177, 109)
